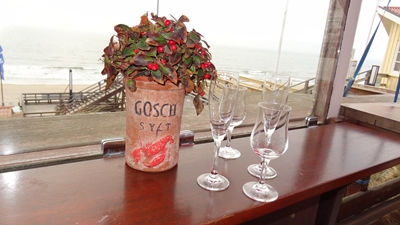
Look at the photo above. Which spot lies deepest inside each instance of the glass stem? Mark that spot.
(217, 145)
(264, 164)
(229, 136)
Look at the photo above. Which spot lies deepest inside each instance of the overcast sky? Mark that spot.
(251, 23)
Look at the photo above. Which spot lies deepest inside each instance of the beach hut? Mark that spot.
(390, 68)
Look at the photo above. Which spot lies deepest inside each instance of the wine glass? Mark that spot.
(275, 91)
(228, 152)
(276, 88)
(268, 146)
(222, 99)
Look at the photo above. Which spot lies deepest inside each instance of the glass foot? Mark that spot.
(260, 192)
(255, 170)
(229, 153)
(213, 182)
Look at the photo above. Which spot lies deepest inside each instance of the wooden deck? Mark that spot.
(384, 116)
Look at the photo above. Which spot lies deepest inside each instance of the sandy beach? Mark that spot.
(12, 92)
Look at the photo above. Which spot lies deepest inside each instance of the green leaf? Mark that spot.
(193, 68)
(197, 60)
(167, 35)
(169, 72)
(131, 69)
(158, 20)
(193, 36)
(142, 45)
(131, 85)
(129, 51)
(157, 76)
(158, 29)
(122, 28)
(142, 60)
(152, 52)
(188, 61)
(156, 39)
(165, 69)
(200, 73)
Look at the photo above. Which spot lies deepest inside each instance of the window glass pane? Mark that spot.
(397, 66)
(398, 57)
(52, 44)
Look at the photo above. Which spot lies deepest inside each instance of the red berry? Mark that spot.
(173, 47)
(155, 66)
(171, 42)
(199, 48)
(152, 66)
(160, 49)
(142, 33)
(136, 51)
(202, 93)
(163, 61)
(167, 23)
(207, 76)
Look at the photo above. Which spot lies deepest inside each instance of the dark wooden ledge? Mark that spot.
(320, 162)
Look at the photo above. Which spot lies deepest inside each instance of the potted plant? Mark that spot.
(155, 57)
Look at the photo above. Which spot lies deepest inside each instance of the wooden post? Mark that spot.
(334, 58)
(70, 87)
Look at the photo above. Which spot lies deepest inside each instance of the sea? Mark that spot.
(46, 56)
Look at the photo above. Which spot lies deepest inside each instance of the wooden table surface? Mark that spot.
(106, 191)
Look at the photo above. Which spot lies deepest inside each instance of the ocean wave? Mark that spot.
(28, 74)
(255, 72)
(65, 67)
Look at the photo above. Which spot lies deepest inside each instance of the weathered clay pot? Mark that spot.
(153, 123)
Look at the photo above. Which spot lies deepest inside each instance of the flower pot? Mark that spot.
(153, 123)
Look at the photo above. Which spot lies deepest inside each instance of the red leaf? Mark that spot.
(174, 58)
(198, 104)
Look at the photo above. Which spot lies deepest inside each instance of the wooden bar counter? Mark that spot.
(320, 161)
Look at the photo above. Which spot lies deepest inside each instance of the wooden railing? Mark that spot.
(49, 98)
(371, 204)
(303, 87)
(93, 94)
(257, 85)
(67, 103)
